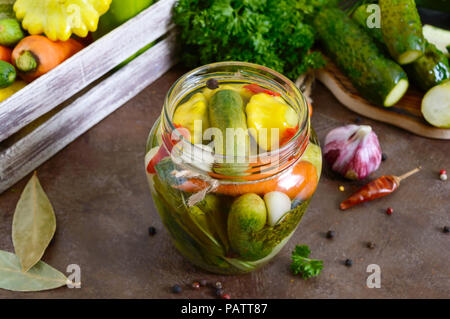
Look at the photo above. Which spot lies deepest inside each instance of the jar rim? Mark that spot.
(288, 153)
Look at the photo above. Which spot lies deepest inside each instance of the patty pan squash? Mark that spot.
(58, 19)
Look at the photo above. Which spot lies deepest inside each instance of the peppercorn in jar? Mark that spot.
(232, 164)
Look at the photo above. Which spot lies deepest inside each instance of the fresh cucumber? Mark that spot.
(10, 32)
(226, 111)
(7, 74)
(438, 5)
(6, 9)
(429, 70)
(376, 77)
(402, 30)
(436, 105)
(439, 37)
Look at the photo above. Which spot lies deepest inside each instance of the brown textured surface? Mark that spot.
(103, 208)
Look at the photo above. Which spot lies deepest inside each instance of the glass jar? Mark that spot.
(231, 216)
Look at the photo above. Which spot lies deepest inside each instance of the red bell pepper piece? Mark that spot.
(255, 89)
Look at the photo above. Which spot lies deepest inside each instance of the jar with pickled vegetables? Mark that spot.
(232, 164)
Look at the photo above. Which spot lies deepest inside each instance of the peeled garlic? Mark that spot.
(278, 204)
(353, 151)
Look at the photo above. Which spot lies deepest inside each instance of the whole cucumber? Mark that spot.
(402, 30)
(7, 74)
(226, 113)
(248, 215)
(429, 70)
(376, 77)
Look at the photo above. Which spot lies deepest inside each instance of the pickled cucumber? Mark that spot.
(226, 113)
(248, 214)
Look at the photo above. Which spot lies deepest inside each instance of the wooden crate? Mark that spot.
(51, 112)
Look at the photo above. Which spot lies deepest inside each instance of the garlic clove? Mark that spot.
(353, 151)
(278, 204)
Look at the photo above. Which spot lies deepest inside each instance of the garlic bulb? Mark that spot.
(353, 151)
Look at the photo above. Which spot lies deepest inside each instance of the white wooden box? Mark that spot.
(51, 112)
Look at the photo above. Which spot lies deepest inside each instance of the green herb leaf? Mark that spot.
(34, 224)
(274, 33)
(40, 277)
(303, 265)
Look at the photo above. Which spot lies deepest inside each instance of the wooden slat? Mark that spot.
(85, 67)
(86, 111)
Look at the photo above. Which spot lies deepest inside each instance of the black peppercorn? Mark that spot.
(331, 234)
(446, 229)
(212, 84)
(370, 245)
(348, 262)
(152, 231)
(177, 289)
(358, 120)
(383, 157)
(219, 292)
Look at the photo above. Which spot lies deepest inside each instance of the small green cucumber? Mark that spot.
(436, 105)
(377, 78)
(402, 30)
(226, 113)
(429, 70)
(7, 74)
(10, 32)
(248, 214)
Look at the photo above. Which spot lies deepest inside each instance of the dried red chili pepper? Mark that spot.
(380, 187)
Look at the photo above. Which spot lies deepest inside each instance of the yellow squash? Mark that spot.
(58, 19)
(10, 90)
(266, 112)
(186, 115)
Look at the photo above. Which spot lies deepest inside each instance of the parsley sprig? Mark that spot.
(274, 33)
(302, 264)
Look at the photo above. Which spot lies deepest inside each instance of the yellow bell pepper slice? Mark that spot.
(10, 90)
(196, 109)
(58, 19)
(266, 112)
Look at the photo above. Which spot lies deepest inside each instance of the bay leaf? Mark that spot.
(34, 224)
(40, 277)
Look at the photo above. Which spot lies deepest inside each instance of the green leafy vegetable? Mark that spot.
(274, 33)
(303, 265)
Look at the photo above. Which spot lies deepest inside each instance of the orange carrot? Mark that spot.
(300, 182)
(35, 55)
(5, 54)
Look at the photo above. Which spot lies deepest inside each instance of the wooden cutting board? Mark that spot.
(406, 114)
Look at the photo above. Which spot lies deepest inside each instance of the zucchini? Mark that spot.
(427, 71)
(436, 105)
(438, 5)
(402, 30)
(7, 74)
(376, 77)
(439, 37)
